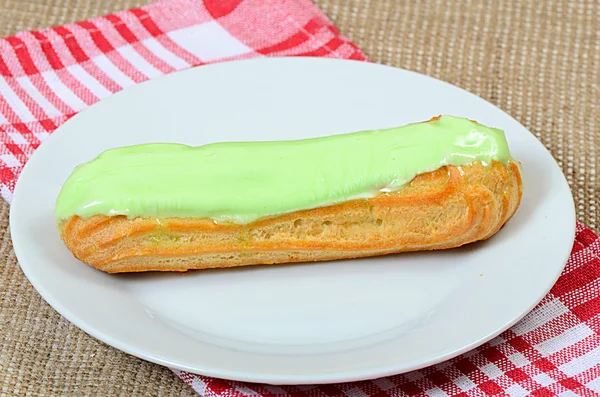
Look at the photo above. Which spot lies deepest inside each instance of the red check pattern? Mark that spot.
(48, 76)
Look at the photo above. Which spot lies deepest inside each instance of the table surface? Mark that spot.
(539, 64)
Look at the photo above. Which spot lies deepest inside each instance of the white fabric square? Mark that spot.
(199, 385)
(464, 383)
(491, 371)
(516, 391)
(18, 138)
(437, 392)
(209, 41)
(384, 383)
(518, 360)
(42, 135)
(7, 194)
(245, 390)
(543, 379)
(355, 392)
(10, 160)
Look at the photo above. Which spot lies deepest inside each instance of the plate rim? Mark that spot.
(286, 379)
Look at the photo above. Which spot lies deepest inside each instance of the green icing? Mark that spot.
(244, 181)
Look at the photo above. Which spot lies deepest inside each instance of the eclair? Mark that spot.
(431, 185)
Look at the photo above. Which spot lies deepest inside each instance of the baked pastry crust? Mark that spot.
(443, 209)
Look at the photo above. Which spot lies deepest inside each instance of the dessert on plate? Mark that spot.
(431, 185)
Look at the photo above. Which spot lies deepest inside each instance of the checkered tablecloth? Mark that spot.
(48, 76)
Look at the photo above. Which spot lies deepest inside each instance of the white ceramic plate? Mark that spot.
(305, 323)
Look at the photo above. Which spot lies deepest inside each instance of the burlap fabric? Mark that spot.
(539, 61)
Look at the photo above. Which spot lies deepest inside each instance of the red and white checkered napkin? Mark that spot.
(49, 75)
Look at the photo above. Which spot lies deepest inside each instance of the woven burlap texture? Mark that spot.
(538, 61)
